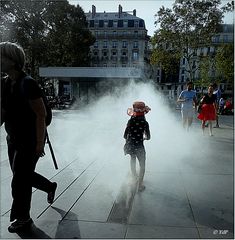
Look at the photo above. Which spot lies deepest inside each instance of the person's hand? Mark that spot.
(40, 149)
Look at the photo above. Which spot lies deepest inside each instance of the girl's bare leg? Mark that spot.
(203, 126)
(210, 128)
(133, 165)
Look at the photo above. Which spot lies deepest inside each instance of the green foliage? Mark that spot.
(53, 33)
(186, 27)
(225, 62)
(229, 7)
(205, 76)
(169, 61)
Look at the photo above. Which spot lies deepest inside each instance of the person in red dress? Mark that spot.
(208, 109)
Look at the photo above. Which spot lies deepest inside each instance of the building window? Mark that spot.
(101, 23)
(158, 72)
(182, 78)
(135, 44)
(91, 23)
(183, 61)
(115, 44)
(135, 56)
(182, 71)
(124, 44)
(136, 24)
(105, 44)
(141, 23)
(96, 23)
(96, 44)
(105, 54)
(110, 23)
(158, 79)
(120, 23)
(201, 51)
(215, 39)
(225, 38)
(225, 28)
(114, 53)
(130, 23)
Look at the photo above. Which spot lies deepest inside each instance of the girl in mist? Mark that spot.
(208, 109)
(136, 132)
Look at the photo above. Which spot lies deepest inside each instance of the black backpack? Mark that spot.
(45, 101)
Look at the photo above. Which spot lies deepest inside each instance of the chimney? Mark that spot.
(93, 11)
(134, 12)
(119, 10)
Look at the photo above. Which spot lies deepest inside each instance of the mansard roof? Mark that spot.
(111, 16)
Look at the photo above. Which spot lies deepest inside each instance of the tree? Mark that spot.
(167, 60)
(69, 37)
(185, 28)
(224, 61)
(53, 33)
(205, 67)
(23, 23)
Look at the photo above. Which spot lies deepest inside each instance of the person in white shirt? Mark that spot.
(188, 101)
(221, 105)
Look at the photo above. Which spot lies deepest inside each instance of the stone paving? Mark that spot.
(186, 198)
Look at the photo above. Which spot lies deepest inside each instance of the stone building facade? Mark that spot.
(121, 39)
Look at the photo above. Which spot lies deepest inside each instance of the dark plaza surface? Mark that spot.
(97, 197)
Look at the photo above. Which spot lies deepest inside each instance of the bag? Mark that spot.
(48, 108)
(199, 108)
(127, 148)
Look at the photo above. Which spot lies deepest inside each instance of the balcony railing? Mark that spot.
(120, 36)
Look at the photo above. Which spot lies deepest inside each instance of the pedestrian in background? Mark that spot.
(208, 109)
(221, 105)
(217, 93)
(24, 117)
(188, 101)
(136, 132)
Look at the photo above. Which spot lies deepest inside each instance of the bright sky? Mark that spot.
(145, 9)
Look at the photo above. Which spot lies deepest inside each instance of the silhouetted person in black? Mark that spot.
(24, 114)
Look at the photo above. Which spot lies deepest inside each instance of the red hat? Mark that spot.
(139, 109)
